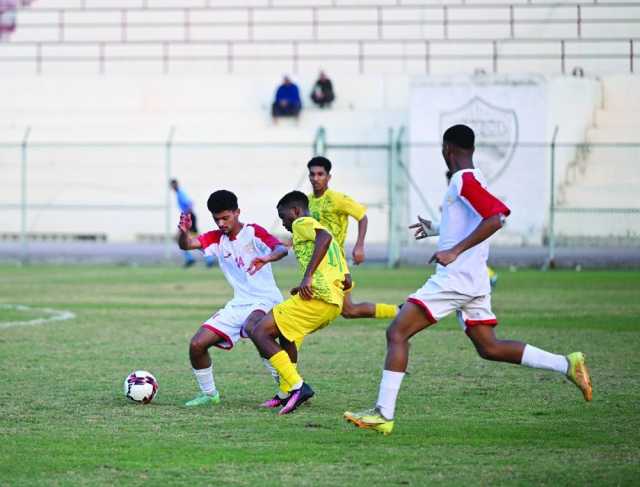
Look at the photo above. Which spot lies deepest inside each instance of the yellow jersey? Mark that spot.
(332, 210)
(328, 277)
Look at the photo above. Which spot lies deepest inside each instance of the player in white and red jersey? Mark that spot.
(244, 253)
(470, 215)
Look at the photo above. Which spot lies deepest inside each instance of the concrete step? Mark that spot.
(611, 225)
(626, 134)
(621, 92)
(616, 118)
(226, 126)
(604, 196)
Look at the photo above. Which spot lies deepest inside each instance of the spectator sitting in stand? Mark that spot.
(287, 102)
(322, 93)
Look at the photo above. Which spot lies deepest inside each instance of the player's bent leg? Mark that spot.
(202, 368)
(263, 335)
(572, 366)
(199, 347)
(351, 310)
(490, 348)
(410, 320)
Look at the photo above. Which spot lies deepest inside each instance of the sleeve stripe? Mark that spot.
(209, 238)
(480, 199)
(266, 238)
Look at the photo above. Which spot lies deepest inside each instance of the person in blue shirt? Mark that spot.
(186, 206)
(287, 102)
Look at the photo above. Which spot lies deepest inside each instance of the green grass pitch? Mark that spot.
(460, 420)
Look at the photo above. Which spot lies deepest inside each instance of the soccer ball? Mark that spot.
(140, 386)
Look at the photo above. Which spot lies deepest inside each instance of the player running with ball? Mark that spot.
(470, 215)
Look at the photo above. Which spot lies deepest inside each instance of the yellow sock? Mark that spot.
(386, 310)
(284, 385)
(282, 363)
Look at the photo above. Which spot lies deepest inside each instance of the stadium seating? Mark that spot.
(606, 176)
(367, 37)
(233, 54)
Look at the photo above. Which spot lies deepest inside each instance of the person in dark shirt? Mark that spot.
(287, 102)
(322, 93)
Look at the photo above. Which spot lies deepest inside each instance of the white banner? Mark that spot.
(503, 113)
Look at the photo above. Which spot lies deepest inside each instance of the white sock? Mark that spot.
(276, 377)
(388, 393)
(539, 359)
(272, 370)
(205, 380)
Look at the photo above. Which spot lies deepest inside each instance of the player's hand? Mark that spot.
(185, 222)
(347, 283)
(443, 257)
(304, 289)
(257, 264)
(424, 228)
(358, 254)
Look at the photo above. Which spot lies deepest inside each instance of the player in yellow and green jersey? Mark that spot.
(333, 209)
(314, 303)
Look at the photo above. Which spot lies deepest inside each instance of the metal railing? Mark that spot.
(28, 162)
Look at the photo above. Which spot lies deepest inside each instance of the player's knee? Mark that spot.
(349, 313)
(395, 335)
(489, 351)
(249, 327)
(197, 345)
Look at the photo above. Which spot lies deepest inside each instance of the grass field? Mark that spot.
(460, 420)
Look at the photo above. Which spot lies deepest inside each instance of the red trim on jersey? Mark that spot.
(482, 201)
(424, 307)
(210, 238)
(268, 239)
(491, 322)
(227, 344)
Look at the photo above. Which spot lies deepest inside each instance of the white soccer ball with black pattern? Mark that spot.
(140, 386)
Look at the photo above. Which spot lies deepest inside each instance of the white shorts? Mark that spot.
(438, 303)
(228, 323)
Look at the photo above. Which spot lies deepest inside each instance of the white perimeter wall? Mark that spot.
(66, 112)
(78, 155)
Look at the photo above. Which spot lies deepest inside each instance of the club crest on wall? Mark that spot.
(496, 132)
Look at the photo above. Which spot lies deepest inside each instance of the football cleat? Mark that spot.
(274, 402)
(579, 374)
(370, 419)
(204, 400)
(296, 398)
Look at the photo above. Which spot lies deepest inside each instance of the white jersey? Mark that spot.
(466, 203)
(235, 257)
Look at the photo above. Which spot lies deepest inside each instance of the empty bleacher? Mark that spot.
(366, 37)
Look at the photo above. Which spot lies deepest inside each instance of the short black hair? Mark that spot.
(320, 161)
(222, 200)
(294, 198)
(460, 136)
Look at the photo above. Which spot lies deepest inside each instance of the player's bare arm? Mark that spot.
(322, 242)
(483, 231)
(277, 253)
(358, 248)
(185, 240)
